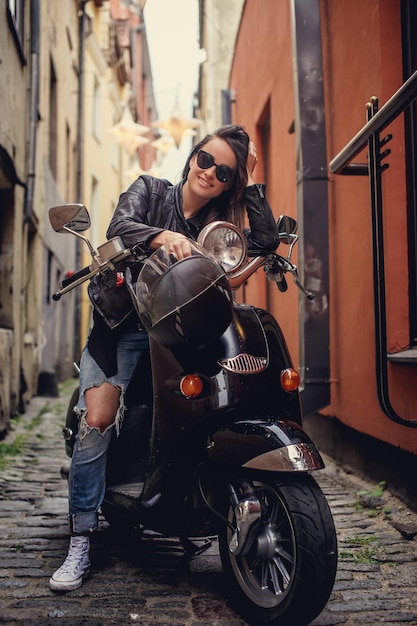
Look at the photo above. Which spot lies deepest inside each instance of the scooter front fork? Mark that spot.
(248, 511)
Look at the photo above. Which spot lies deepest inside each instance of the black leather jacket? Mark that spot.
(152, 205)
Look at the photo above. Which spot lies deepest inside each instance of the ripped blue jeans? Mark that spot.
(87, 477)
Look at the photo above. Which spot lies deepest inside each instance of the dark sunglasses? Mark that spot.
(224, 173)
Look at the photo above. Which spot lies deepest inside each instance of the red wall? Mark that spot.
(262, 79)
(361, 43)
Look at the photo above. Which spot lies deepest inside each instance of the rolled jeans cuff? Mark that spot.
(83, 523)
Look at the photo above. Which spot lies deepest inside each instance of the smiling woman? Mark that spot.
(153, 215)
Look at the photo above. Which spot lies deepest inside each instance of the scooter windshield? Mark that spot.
(185, 303)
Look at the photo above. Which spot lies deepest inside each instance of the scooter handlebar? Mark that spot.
(282, 284)
(80, 274)
(73, 281)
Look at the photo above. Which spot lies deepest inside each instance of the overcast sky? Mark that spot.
(172, 32)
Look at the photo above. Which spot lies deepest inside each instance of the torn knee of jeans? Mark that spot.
(120, 413)
(84, 427)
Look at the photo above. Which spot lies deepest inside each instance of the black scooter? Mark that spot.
(212, 442)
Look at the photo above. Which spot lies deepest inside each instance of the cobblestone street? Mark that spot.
(150, 582)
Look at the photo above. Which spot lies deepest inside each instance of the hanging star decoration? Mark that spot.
(137, 142)
(177, 124)
(163, 144)
(129, 134)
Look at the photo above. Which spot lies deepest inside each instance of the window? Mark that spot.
(68, 164)
(96, 112)
(265, 132)
(95, 212)
(53, 121)
(115, 151)
(15, 14)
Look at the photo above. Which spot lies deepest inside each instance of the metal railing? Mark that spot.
(369, 136)
(386, 114)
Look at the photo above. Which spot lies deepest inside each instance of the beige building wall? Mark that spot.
(56, 174)
(219, 23)
(107, 92)
(13, 135)
(38, 43)
(43, 164)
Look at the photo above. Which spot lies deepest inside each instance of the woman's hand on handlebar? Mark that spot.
(175, 243)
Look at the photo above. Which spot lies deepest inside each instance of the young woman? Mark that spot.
(216, 184)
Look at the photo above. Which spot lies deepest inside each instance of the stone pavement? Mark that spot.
(149, 582)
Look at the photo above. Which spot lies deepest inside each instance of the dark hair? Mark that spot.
(229, 205)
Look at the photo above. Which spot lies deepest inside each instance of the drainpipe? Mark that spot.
(79, 181)
(228, 96)
(34, 103)
(312, 204)
(80, 103)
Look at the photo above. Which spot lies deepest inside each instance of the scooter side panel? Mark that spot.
(253, 332)
(267, 445)
(228, 398)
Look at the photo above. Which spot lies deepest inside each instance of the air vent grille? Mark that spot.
(244, 364)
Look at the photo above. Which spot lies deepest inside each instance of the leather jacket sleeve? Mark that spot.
(263, 234)
(139, 215)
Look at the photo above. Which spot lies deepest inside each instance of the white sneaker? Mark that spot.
(75, 567)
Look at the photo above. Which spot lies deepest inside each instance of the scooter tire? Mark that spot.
(288, 572)
(71, 423)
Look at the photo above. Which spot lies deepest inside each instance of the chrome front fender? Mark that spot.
(267, 445)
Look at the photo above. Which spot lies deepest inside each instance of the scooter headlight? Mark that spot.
(225, 243)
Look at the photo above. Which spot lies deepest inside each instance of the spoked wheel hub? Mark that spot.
(266, 543)
(286, 569)
(266, 568)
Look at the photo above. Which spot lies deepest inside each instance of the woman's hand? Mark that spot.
(175, 243)
(251, 163)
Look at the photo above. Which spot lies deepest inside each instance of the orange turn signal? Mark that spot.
(290, 379)
(191, 386)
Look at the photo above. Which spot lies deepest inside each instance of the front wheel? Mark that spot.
(289, 565)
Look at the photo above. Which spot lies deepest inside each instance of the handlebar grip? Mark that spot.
(71, 279)
(282, 284)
